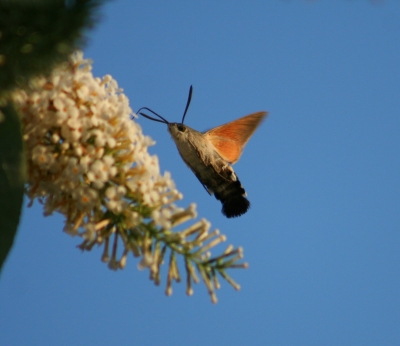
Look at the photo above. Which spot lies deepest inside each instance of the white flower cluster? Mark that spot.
(86, 156)
(88, 159)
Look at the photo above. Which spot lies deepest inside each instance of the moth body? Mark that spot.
(210, 154)
(214, 173)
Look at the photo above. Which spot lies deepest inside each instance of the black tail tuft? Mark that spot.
(232, 196)
(235, 206)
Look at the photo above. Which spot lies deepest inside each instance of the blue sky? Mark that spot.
(322, 173)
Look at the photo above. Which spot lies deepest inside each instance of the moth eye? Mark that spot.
(181, 128)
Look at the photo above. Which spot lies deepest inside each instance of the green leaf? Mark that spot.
(12, 178)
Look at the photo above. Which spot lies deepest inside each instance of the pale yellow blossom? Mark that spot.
(88, 160)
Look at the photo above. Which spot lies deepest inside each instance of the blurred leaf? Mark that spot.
(12, 178)
(37, 35)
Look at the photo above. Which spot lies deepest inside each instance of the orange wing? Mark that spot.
(230, 139)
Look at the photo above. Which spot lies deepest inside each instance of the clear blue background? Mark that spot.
(322, 173)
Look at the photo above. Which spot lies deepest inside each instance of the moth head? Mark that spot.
(177, 130)
(181, 127)
(173, 128)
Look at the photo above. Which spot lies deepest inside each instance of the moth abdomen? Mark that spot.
(232, 196)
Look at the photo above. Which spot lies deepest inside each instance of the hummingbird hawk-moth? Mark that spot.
(210, 155)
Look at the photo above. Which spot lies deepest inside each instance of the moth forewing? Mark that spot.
(229, 139)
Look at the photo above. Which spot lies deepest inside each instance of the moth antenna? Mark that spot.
(188, 102)
(151, 118)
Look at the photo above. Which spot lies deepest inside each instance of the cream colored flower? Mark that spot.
(81, 128)
(88, 160)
